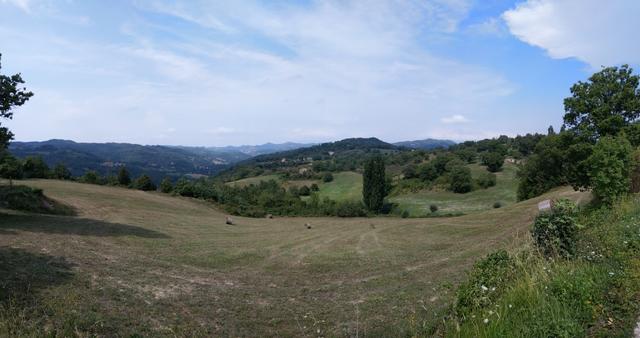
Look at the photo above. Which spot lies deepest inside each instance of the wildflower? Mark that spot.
(484, 288)
(493, 288)
(486, 320)
(490, 312)
(510, 306)
(611, 273)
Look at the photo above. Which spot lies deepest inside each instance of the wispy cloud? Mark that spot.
(454, 119)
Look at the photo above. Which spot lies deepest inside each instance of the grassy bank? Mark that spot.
(593, 293)
(156, 265)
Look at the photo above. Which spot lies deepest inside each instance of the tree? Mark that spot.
(61, 172)
(123, 177)
(11, 95)
(35, 167)
(605, 104)
(166, 186)
(428, 172)
(144, 183)
(315, 187)
(90, 177)
(10, 168)
(461, 180)
(550, 131)
(610, 168)
(493, 161)
(374, 187)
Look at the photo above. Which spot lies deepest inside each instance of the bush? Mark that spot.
(32, 200)
(61, 172)
(405, 214)
(314, 187)
(554, 232)
(433, 208)
(350, 209)
(493, 161)
(486, 180)
(166, 186)
(460, 180)
(497, 205)
(90, 177)
(610, 167)
(144, 183)
(327, 177)
(35, 167)
(304, 191)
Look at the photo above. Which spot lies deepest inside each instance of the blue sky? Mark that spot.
(247, 72)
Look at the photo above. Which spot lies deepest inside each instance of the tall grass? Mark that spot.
(594, 293)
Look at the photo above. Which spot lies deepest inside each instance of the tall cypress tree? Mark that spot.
(373, 184)
(123, 177)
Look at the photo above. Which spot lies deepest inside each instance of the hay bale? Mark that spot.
(229, 220)
(307, 225)
(269, 216)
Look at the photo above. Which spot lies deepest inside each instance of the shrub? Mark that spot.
(61, 172)
(327, 177)
(610, 167)
(497, 205)
(350, 209)
(554, 232)
(32, 200)
(166, 186)
(90, 177)
(304, 191)
(123, 177)
(314, 187)
(460, 180)
(486, 180)
(493, 161)
(405, 214)
(433, 208)
(144, 183)
(35, 167)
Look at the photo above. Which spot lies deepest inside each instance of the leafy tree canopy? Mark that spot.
(605, 104)
(12, 95)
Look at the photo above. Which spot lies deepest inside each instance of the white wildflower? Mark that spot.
(484, 288)
(486, 320)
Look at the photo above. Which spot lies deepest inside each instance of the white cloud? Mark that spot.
(22, 4)
(454, 119)
(245, 72)
(491, 26)
(594, 31)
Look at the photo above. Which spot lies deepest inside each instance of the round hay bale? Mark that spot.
(229, 220)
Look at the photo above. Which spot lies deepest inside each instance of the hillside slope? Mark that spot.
(153, 264)
(105, 158)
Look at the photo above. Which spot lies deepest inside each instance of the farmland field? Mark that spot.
(148, 263)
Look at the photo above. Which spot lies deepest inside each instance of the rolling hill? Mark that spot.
(148, 264)
(105, 158)
(426, 144)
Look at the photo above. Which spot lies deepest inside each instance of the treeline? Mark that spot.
(598, 146)
(35, 167)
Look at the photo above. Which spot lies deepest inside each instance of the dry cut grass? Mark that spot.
(136, 262)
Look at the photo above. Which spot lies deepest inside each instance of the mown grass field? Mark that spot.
(148, 263)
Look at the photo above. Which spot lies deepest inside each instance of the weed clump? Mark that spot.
(554, 232)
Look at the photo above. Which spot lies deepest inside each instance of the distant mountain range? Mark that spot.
(427, 144)
(267, 148)
(176, 161)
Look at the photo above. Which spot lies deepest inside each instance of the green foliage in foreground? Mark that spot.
(554, 232)
(525, 294)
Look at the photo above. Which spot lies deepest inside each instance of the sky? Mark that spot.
(214, 73)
